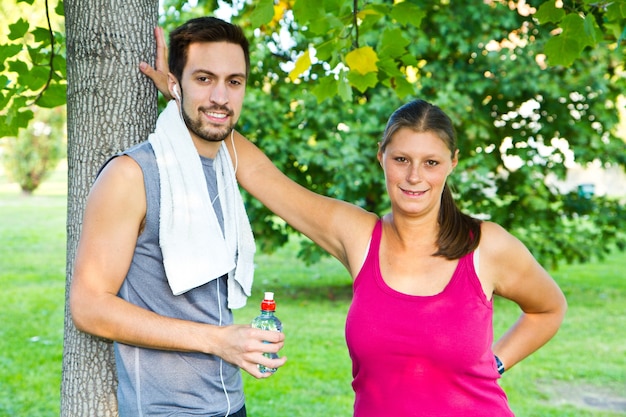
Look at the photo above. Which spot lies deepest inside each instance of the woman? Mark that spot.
(419, 329)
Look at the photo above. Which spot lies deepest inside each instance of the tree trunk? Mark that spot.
(110, 106)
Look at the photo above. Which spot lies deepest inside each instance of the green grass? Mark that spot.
(32, 278)
(584, 365)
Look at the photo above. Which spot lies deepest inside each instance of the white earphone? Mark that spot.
(175, 90)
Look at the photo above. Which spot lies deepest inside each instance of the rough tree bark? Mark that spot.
(110, 106)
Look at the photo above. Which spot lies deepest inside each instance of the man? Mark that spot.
(166, 249)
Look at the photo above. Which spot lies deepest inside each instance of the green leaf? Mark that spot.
(262, 14)
(18, 29)
(389, 67)
(344, 89)
(334, 6)
(362, 60)
(5, 98)
(53, 96)
(548, 12)
(371, 25)
(591, 27)
(575, 28)
(6, 130)
(320, 19)
(326, 25)
(38, 55)
(329, 51)
(408, 14)
(19, 67)
(60, 65)
(363, 81)
(381, 9)
(325, 50)
(26, 1)
(306, 12)
(60, 10)
(392, 43)
(616, 11)
(20, 101)
(325, 88)
(402, 87)
(409, 60)
(14, 121)
(563, 49)
(371, 14)
(8, 51)
(41, 35)
(35, 78)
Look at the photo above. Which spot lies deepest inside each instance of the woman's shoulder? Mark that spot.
(499, 245)
(357, 233)
(491, 230)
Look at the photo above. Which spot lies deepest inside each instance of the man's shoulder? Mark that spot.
(142, 153)
(141, 148)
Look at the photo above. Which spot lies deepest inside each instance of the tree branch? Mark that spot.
(355, 22)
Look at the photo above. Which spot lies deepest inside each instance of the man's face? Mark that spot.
(213, 87)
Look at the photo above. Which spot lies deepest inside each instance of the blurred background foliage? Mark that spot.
(533, 88)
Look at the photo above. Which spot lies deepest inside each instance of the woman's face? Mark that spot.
(416, 166)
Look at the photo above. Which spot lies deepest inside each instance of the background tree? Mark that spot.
(32, 76)
(520, 120)
(32, 64)
(31, 157)
(475, 61)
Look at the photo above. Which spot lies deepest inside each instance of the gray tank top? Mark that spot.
(159, 383)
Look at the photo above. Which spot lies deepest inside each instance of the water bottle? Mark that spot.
(268, 321)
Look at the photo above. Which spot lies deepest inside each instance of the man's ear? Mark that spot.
(173, 87)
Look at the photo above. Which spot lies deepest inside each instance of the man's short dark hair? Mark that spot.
(203, 29)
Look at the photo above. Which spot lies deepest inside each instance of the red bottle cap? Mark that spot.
(268, 303)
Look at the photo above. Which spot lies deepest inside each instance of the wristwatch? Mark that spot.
(500, 365)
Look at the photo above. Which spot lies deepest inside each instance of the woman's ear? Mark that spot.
(455, 160)
(379, 156)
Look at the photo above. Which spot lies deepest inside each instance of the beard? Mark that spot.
(208, 132)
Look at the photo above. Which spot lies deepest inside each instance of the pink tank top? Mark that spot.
(426, 356)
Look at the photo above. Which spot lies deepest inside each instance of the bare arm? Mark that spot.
(517, 276)
(115, 210)
(340, 228)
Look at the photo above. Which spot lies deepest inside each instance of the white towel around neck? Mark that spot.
(194, 249)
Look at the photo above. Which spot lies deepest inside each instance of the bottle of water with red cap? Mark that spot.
(267, 320)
